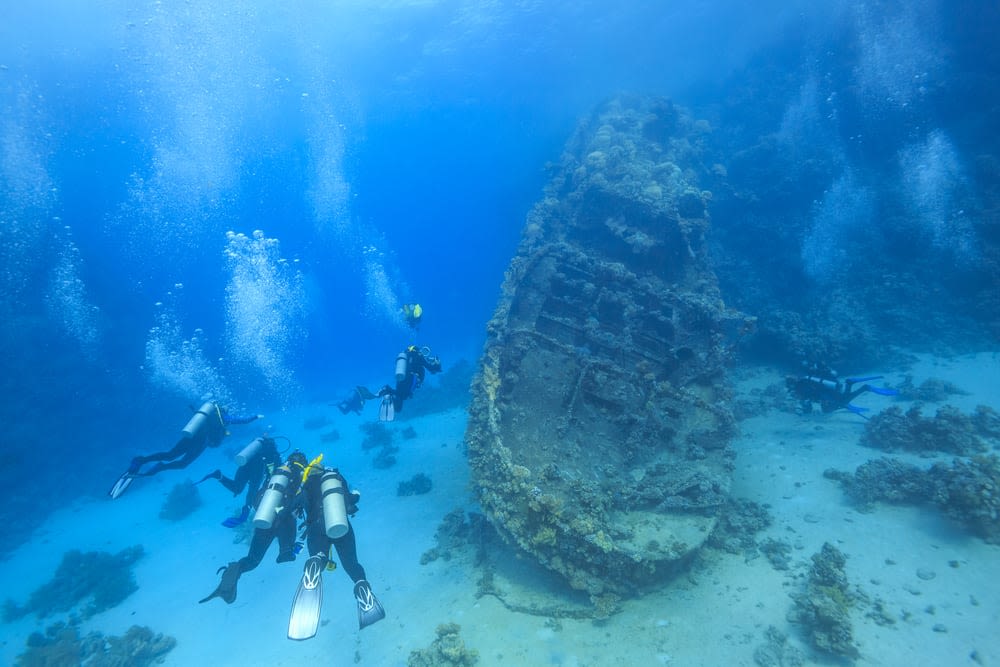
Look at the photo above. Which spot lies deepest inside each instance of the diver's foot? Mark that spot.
(234, 521)
(369, 608)
(227, 587)
(286, 556)
(133, 467)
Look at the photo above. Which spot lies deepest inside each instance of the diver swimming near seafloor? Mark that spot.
(302, 489)
(206, 428)
(820, 384)
(255, 463)
(412, 365)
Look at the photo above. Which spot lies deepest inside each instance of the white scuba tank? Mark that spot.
(199, 418)
(249, 451)
(334, 505)
(401, 364)
(267, 510)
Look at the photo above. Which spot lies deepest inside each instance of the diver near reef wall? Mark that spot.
(820, 384)
(320, 497)
(206, 428)
(412, 365)
(255, 463)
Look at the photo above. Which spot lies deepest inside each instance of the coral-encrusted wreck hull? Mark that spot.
(599, 433)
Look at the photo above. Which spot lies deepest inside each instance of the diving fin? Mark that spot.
(227, 587)
(882, 391)
(370, 610)
(859, 411)
(308, 602)
(121, 485)
(386, 411)
(233, 521)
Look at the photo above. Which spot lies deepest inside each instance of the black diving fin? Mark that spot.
(227, 587)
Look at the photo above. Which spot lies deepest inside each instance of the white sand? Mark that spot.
(715, 616)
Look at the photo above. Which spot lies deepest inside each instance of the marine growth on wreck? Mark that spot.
(598, 432)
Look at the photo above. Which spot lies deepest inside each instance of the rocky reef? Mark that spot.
(88, 582)
(61, 644)
(447, 650)
(823, 609)
(182, 501)
(949, 431)
(599, 429)
(967, 490)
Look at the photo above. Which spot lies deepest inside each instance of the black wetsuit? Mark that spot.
(252, 474)
(416, 367)
(830, 393)
(189, 448)
(283, 529)
(316, 538)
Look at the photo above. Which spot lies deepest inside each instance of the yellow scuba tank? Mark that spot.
(198, 419)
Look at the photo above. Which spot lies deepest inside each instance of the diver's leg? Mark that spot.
(193, 451)
(173, 453)
(347, 552)
(285, 529)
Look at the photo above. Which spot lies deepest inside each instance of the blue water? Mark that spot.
(389, 152)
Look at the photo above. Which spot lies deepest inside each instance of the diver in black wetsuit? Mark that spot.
(195, 439)
(205, 429)
(412, 365)
(301, 496)
(821, 385)
(259, 458)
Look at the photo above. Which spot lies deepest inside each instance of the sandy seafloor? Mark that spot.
(715, 615)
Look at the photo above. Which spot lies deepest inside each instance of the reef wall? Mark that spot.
(599, 431)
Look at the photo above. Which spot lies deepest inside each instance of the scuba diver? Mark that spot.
(412, 313)
(206, 428)
(821, 385)
(412, 365)
(254, 464)
(319, 495)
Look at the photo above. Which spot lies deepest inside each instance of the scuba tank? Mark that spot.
(334, 507)
(199, 418)
(273, 496)
(249, 451)
(401, 364)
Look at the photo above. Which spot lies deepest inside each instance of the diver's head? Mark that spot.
(298, 459)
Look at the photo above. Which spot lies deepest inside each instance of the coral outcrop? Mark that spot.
(89, 582)
(447, 650)
(62, 645)
(823, 609)
(181, 502)
(599, 429)
(967, 491)
(949, 430)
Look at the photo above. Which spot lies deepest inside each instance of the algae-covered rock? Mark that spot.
(948, 431)
(62, 646)
(181, 502)
(599, 429)
(91, 582)
(968, 491)
(448, 650)
(823, 609)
